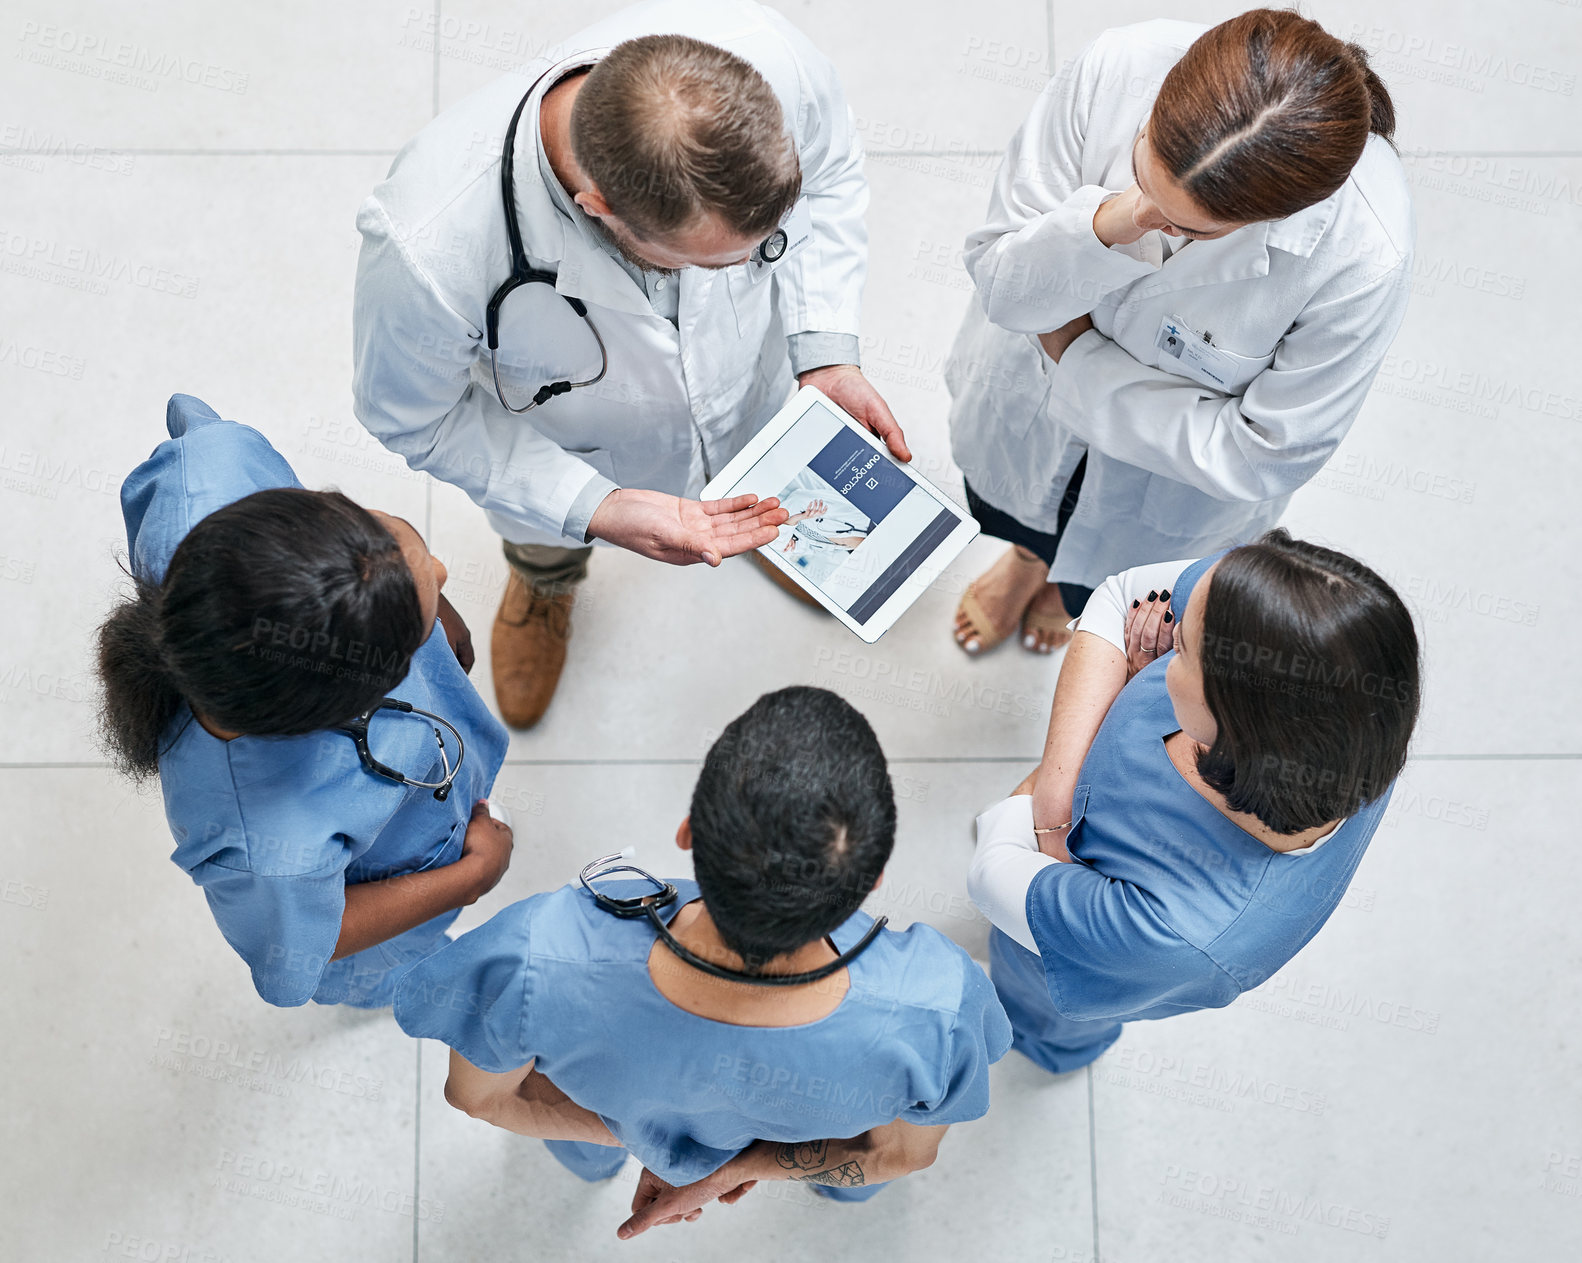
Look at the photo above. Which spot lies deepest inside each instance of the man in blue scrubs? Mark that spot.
(606, 1035)
(286, 834)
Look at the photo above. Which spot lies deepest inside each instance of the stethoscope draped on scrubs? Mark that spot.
(357, 730)
(770, 250)
(664, 895)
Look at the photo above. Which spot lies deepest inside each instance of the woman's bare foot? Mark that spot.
(1044, 621)
(1001, 594)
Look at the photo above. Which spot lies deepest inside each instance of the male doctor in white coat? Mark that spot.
(689, 209)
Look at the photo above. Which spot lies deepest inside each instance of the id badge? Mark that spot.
(1194, 355)
(798, 228)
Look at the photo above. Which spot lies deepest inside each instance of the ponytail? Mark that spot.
(140, 699)
(285, 612)
(1381, 108)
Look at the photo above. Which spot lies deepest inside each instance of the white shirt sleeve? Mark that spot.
(412, 359)
(1004, 866)
(1036, 262)
(1105, 613)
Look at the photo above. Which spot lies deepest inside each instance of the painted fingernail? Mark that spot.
(1164, 594)
(1169, 617)
(1153, 596)
(1135, 604)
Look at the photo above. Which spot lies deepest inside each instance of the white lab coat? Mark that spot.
(677, 403)
(1304, 307)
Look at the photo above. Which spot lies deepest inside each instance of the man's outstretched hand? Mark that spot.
(668, 528)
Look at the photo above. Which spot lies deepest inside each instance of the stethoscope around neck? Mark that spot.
(524, 273)
(771, 250)
(665, 894)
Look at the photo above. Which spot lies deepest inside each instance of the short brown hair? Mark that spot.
(669, 128)
(1266, 115)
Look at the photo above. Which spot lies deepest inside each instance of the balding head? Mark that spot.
(671, 131)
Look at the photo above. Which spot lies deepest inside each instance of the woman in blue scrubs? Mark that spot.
(1208, 788)
(281, 666)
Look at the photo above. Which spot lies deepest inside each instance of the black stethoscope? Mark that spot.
(357, 730)
(770, 250)
(524, 273)
(664, 895)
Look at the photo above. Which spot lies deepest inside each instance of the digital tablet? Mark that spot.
(866, 534)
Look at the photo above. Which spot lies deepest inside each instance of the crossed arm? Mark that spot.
(522, 1101)
(879, 1154)
(528, 1103)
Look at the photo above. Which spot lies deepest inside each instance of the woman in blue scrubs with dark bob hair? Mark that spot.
(289, 668)
(1224, 739)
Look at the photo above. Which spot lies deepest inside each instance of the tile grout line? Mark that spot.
(20, 151)
(438, 29)
(1022, 759)
(10, 151)
(1049, 32)
(417, 1148)
(417, 1044)
(1093, 1162)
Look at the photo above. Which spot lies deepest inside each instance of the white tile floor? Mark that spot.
(1405, 1090)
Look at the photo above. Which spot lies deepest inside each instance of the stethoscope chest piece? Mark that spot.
(773, 247)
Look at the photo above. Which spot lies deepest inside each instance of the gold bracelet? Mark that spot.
(1054, 828)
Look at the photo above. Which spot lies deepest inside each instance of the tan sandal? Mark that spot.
(1051, 625)
(989, 635)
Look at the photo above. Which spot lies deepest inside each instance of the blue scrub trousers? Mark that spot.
(586, 1160)
(1058, 1044)
(859, 1194)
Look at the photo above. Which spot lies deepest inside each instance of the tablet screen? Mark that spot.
(859, 526)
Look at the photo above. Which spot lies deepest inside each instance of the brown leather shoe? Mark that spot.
(786, 582)
(528, 648)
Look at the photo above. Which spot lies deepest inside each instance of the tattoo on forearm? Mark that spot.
(808, 1156)
(846, 1175)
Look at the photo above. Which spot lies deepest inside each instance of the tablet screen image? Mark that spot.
(861, 526)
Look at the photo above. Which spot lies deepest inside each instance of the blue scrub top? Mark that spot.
(274, 828)
(556, 980)
(1171, 907)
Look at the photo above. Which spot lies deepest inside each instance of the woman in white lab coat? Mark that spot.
(1196, 255)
